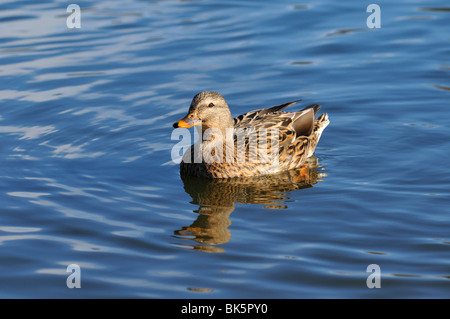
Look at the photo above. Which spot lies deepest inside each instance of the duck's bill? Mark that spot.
(188, 121)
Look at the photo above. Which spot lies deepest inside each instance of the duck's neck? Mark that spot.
(215, 140)
(215, 135)
(222, 125)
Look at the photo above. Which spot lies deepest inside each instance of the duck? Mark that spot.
(260, 142)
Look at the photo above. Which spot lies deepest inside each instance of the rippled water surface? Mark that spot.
(86, 174)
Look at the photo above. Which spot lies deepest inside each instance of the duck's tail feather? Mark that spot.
(277, 107)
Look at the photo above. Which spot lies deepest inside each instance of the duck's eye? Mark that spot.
(211, 104)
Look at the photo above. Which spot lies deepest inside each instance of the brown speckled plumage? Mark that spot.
(297, 138)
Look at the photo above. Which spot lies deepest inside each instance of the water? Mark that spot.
(86, 175)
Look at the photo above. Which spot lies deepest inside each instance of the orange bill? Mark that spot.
(188, 121)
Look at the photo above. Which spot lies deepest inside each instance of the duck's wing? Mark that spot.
(247, 118)
(293, 131)
(303, 121)
(299, 123)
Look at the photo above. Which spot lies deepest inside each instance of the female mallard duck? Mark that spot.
(284, 139)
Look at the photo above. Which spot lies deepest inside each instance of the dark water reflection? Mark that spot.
(216, 199)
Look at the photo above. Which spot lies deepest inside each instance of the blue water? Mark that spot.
(86, 175)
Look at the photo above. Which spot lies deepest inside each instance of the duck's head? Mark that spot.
(208, 109)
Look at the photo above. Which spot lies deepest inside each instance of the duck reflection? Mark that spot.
(216, 199)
